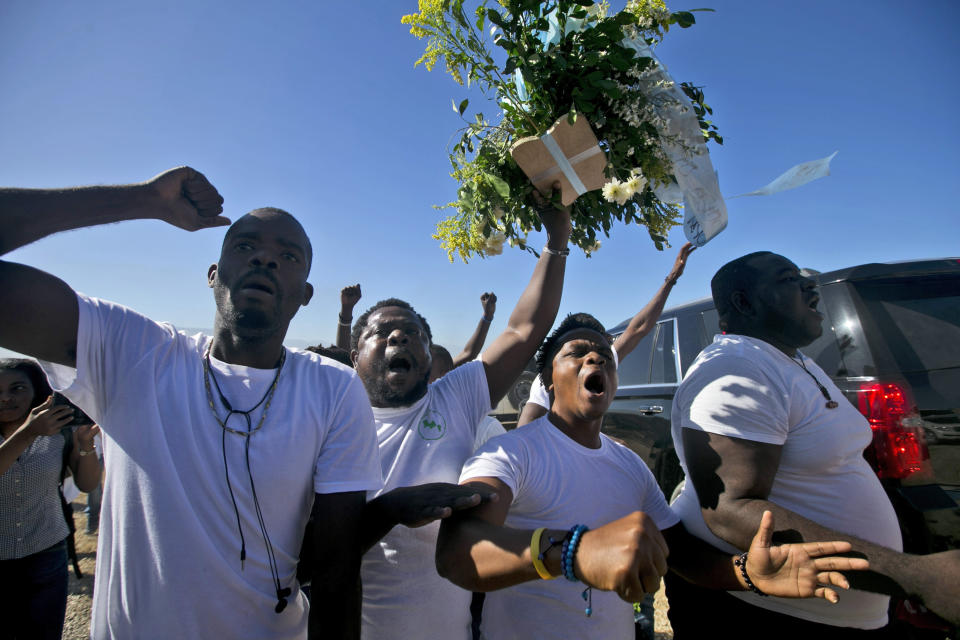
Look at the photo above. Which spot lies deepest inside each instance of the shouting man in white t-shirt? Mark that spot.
(560, 471)
(759, 426)
(217, 446)
(425, 433)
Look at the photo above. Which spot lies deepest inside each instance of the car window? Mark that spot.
(711, 325)
(918, 319)
(635, 368)
(663, 364)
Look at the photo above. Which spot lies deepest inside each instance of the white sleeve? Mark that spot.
(111, 340)
(499, 458)
(349, 458)
(488, 428)
(538, 394)
(732, 396)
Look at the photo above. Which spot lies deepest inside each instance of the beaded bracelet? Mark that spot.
(570, 551)
(741, 562)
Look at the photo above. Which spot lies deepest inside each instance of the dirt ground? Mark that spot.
(80, 592)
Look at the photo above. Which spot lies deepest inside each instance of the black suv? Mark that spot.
(891, 342)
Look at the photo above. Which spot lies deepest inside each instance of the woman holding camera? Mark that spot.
(36, 441)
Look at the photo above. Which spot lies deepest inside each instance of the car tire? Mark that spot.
(520, 391)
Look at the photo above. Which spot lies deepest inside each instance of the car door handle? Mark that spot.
(651, 409)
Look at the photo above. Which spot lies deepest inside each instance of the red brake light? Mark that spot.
(899, 445)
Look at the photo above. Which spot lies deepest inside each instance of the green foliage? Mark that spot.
(563, 58)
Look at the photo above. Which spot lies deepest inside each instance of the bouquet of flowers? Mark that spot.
(564, 59)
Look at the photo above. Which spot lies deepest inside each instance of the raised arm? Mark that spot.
(646, 319)
(535, 311)
(349, 297)
(470, 350)
(733, 495)
(38, 312)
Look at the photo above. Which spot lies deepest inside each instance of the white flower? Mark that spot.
(614, 191)
(636, 183)
(494, 244)
(594, 247)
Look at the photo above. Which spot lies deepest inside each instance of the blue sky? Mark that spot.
(316, 107)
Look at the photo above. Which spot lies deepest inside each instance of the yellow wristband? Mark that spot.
(535, 555)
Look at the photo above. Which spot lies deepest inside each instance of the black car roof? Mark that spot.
(872, 270)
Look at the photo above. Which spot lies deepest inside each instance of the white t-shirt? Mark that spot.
(168, 560)
(403, 595)
(488, 428)
(745, 388)
(557, 483)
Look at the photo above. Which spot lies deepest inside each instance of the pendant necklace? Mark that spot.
(831, 403)
(282, 592)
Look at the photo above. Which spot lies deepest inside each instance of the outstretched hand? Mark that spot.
(802, 570)
(681, 262)
(186, 199)
(422, 504)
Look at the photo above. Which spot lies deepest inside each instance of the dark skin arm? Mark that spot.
(535, 311)
(733, 478)
(477, 552)
(470, 350)
(38, 312)
(335, 574)
(416, 506)
(646, 319)
(349, 297)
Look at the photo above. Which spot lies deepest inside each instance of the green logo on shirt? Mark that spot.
(432, 427)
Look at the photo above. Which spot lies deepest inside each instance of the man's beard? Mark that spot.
(249, 324)
(382, 395)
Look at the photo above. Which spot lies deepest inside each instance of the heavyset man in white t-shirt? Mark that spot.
(425, 433)
(758, 425)
(559, 471)
(217, 446)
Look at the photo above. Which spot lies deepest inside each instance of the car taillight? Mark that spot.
(899, 446)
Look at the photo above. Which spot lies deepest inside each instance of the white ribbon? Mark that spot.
(563, 163)
(577, 159)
